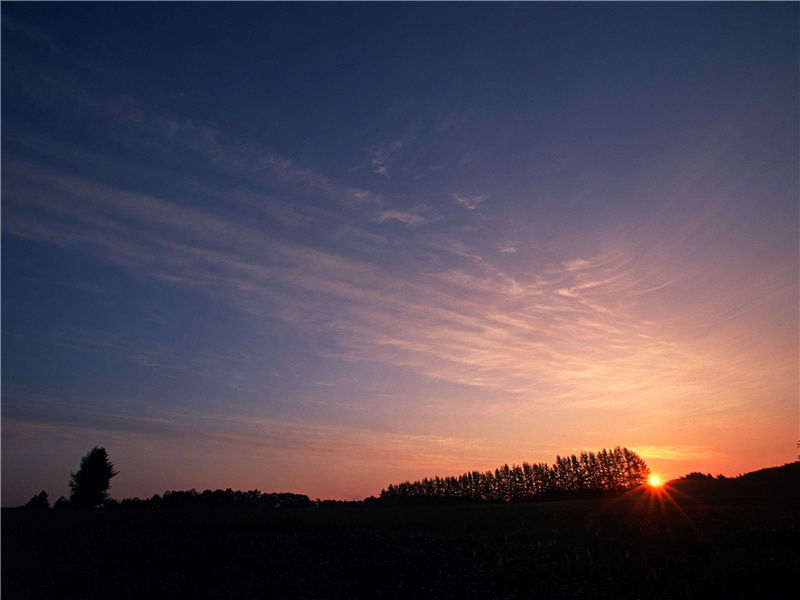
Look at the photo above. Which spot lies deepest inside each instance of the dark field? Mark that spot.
(589, 549)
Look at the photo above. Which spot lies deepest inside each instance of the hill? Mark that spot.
(772, 483)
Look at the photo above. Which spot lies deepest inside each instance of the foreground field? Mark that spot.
(625, 548)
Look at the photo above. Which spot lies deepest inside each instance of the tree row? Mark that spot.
(604, 472)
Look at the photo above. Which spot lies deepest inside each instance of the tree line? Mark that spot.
(89, 487)
(603, 473)
(221, 499)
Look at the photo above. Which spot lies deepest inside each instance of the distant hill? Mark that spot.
(770, 483)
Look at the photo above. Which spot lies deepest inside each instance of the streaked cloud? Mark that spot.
(226, 442)
(563, 336)
(508, 248)
(383, 155)
(682, 453)
(470, 202)
(403, 217)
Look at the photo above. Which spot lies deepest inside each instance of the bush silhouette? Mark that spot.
(39, 501)
(62, 502)
(90, 484)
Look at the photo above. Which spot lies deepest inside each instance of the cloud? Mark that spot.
(403, 217)
(576, 264)
(564, 336)
(34, 34)
(382, 156)
(508, 248)
(470, 202)
(695, 453)
(145, 424)
(276, 239)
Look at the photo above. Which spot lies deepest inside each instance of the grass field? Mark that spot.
(591, 549)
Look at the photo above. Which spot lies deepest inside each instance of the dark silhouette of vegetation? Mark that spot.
(697, 476)
(39, 502)
(91, 483)
(62, 502)
(220, 499)
(714, 537)
(771, 483)
(604, 473)
(628, 548)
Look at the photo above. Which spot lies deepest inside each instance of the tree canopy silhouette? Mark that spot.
(602, 473)
(39, 501)
(91, 483)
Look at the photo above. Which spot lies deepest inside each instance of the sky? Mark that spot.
(323, 248)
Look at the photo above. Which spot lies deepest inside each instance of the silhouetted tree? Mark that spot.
(62, 502)
(90, 484)
(607, 472)
(697, 476)
(39, 501)
(225, 499)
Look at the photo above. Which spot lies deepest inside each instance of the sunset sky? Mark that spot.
(322, 248)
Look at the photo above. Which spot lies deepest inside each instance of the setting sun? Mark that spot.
(654, 481)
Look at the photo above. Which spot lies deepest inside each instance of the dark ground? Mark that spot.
(624, 548)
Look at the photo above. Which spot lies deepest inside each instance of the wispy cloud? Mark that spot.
(470, 202)
(31, 32)
(682, 453)
(383, 155)
(567, 335)
(403, 217)
(336, 446)
(508, 248)
(583, 328)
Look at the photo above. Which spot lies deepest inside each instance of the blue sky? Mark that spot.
(322, 248)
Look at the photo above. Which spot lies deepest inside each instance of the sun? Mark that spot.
(655, 481)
